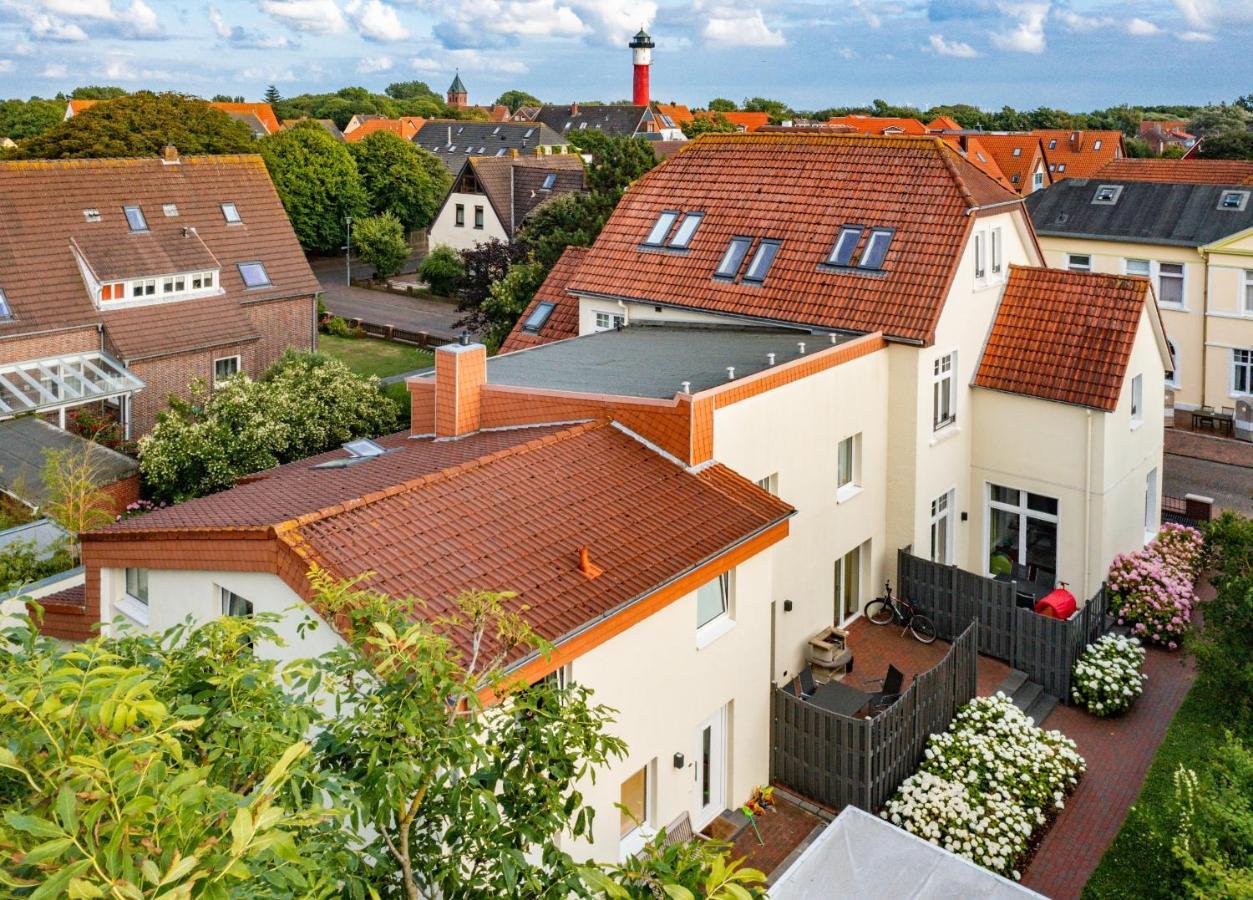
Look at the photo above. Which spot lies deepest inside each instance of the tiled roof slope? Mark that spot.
(880, 124)
(514, 185)
(405, 127)
(1064, 336)
(41, 212)
(1179, 171)
(1075, 154)
(621, 119)
(1016, 155)
(515, 521)
(799, 188)
(454, 141)
(563, 322)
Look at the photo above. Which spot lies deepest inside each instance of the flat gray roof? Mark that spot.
(654, 360)
(23, 442)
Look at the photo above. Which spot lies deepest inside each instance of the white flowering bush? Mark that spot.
(1109, 675)
(986, 787)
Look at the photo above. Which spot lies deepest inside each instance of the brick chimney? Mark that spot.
(460, 373)
(169, 155)
(574, 109)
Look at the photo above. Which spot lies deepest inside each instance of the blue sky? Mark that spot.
(1075, 54)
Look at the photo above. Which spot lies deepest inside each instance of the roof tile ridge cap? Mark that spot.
(112, 533)
(282, 529)
(948, 155)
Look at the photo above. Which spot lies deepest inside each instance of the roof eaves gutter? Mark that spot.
(1017, 201)
(1117, 238)
(638, 598)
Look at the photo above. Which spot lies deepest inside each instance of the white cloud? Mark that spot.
(6, 65)
(1206, 15)
(140, 19)
(43, 27)
(238, 36)
(376, 21)
(958, 49)
(1141, 27)
(269, 76)
(64, 20)
(373, 64)
(741, 28)
(846, 53)
(54, 70)
(1076, 22)
(1027, 36)
(468, 59)
(1196, 36)
(615, 21)
(316, 16)
(871, 17)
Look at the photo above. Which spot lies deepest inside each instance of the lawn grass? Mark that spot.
(372, 356)
(1138, 864)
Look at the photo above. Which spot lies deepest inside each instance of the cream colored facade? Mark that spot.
(445, 232)
(1212, 324)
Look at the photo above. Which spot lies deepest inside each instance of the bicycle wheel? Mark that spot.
(923, 628)
(878, 611)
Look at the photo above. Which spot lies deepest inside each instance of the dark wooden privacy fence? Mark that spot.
(841, 761)
(1191, 510)
(1045, 649)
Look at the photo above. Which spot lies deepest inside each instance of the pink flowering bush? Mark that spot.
(1153, 588)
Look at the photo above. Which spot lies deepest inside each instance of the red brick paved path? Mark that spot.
(782, 830)
(1118, 751)
(1206, 444)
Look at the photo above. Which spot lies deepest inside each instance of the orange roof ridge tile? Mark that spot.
(283, 529)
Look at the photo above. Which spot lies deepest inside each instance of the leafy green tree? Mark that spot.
(722, 104)
(380, 242)
(680, 871)
(20, 119)
(227, 98)
(74, 499)
(1222, 650)
(481, 267)
(715, 124)
(442, 269)
(1228, 145)
(776, 108)
(1214, 841)
(1219, 120)
(317, 180)
(507, 300)
(142, 124)
(564, 221)
(410, 90)
(21, 563)
(98, 92)
(616, 162)
(515, 98)
(272, 96)
(400, 178)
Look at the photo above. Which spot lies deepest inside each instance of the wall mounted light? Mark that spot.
(678, 760)
(787, 605)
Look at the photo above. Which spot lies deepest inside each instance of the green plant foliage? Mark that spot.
(1214, 841)
(1228, 145)
(514, 99)
(680, 871)
(1222, 652)
(22, 564)
(380, 242)
(400, 178)
(21, 119)
(318, 183)
(722, 104)
(306, 403)
(508, 299)
(716, 124)
(142, 124)
(568, 220)
(442, 269)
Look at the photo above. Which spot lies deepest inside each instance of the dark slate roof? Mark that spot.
(653, 360)
(455, 141)
(621, 120)
(457, 86)
(23, 442)
(1146, 212)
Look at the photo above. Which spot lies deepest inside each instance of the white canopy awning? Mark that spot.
(58, 381)
(860, 855)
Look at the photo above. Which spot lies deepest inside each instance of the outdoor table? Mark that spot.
(1218, 421)
(837, 697)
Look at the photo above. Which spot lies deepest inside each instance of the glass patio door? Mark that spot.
(711, 768)
(848, 586)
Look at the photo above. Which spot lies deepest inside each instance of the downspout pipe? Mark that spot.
(1087, 505)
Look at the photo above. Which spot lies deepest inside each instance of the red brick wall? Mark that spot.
(282, 324)
(19, 348)
(122, 493)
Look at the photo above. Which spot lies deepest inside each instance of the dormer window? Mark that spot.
(686, 231)
(5, 312)
(733, 257)
(231, 214)
(657, 234)
(91, 215)
(170, 210)
(876, 249)
(1234, 200)
(254, 275)
(1107, 194)
(767, 250)
(135, 218)
(845, 245)
(144, 287)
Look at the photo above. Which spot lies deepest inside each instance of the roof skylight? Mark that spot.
(842, 253)
(1236, 200)
(734, 256)
(538, 317)
(1107, 194)
(170, 210)
(135, 218)
(363, 447)
(5, 312)
(231, 214)
(767, 250)
(254, 274)
(876, 249)
(1017, 151)
(1096, 145)
(686, 231)
(549, 180)
(657, 235)
(91, 215)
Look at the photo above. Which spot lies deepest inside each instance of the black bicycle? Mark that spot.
(885, 609)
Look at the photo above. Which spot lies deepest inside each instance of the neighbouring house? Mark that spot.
(1237, 172)
(127, 279)
(1021, 159)
(881, 125)
(406, 127)
(525, 114)
(360, 119)
(259, 117)
(492, 195)
(24, 441)
(328, 125)
(728, 415)
(1192, 238)
(672, 115)
(458, 97)
(613, 119)
(454, 141)
(743, 121)
(1077, 154)
(1166, 133)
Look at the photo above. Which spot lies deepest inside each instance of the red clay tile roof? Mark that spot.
(1179, 171)
(563, 321)
(42, 207)
(799, 189)
(944, 123)
(515, 521)
(144, 332)
(746, 121)
(880, 124)
(1074, 154)
(1017, 168)
(514, 184)
(406, 127)
(675, 112)
(971, 147)
(1064, 336)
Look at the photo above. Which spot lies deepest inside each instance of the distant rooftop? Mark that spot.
(654, 360)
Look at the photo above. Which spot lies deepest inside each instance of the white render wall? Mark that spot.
(444, 231)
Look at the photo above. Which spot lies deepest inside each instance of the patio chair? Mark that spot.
(1229, 411)
(807, 685)
(889, 690)
(680, 831)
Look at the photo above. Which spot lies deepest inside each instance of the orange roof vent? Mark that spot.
(586, 566)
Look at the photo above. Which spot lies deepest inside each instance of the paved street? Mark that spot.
(1229, 485)
(411, 313)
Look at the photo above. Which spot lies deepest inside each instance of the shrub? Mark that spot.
(1153, 587)
(337, 326)
(1222, 653)
(1108, 676)
(1214, 839)
(380, 242)
(987, 786)
(21, 563)
(442, 270)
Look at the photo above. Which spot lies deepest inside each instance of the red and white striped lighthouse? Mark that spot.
(642, 55)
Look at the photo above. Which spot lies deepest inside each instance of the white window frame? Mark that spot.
(1151, 505)
(847, 489)
(225, 595)
(718, 625)
(770, 484)
(994, 238)
(459, 215)
(607, 320)
(942, 518)
(1183, 284)
(634, 840)
(479, 217)
(944, 379)
(1024, 511)
(1247, 306)
(1237, 363)
(1085, 267)
(981, 262)
(1137, 401)
(1037, 180)
(134, 606)
(1174, 381)
(239, 365)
